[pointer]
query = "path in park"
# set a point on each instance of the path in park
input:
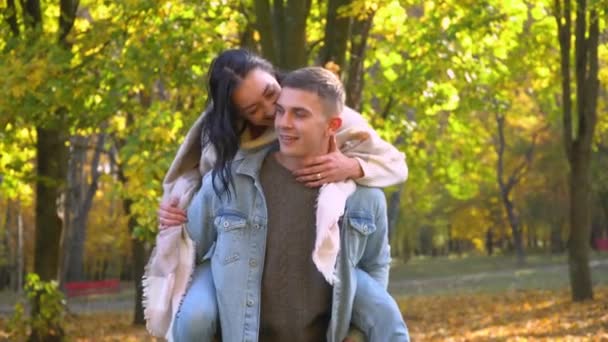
(499, 280)
(542, 276)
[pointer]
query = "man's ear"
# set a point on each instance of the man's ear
(334, 125)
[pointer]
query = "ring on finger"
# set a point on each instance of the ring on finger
(319, 176)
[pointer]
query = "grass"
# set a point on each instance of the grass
(487, 275)
(435, 267)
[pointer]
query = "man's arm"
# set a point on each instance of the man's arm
(377, 255)
(200, 218)
(382, 163)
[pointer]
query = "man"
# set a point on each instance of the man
(260, 238)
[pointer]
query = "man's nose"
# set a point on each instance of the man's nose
(284, 120)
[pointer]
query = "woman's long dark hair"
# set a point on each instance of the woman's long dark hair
(222, 125)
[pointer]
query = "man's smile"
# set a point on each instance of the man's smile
(287, 139)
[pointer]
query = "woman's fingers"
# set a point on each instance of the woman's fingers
(314, 175)
(164, 224)
(329, 177)
(311, 170)
(169, 215)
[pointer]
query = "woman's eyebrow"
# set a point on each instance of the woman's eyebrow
(267, 89)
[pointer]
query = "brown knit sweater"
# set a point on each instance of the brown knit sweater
(296, 299)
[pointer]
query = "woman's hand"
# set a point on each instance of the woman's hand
(170, 215)
(332, 167)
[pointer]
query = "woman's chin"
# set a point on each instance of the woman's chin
(257, 130)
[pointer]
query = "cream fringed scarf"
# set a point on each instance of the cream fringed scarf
(171, 264)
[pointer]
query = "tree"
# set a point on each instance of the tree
(337, 33)
(506, 186)
(282, 30)
(578, 133)
(51, 153)
(360, 31)
(79, 200)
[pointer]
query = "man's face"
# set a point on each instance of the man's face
(301, 126)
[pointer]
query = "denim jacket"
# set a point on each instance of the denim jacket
(232, 233)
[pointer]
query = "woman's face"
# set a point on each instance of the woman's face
(255, 97)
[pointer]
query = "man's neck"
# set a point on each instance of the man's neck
(292, 163)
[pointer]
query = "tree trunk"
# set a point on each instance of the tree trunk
(514, 223)
(8, 262)
(603, 198)
(489, 243)
(20, 253)
(51, 170)
(11, 17)
(82, 195)
(506, 186)
(293, 45)
(74, 194)
(139, 257)
(139, 251)
(283, 31)
(578, 140)
(337, 30)
(580, 222)
(450, 238)
(394, 211)
(360, 29)
(247, 39)
(557, 243)
(264, 25)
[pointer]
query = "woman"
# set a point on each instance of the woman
(243, 89)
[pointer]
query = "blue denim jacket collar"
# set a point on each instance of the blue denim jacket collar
(250, 162)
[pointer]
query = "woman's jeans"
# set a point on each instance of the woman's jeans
(375, 312)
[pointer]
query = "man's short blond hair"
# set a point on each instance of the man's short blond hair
(320, 81)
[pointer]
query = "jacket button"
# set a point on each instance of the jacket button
(253, 263)
(226, 224)
(256, 226)
(249, 302)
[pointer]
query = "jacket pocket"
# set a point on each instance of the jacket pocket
(359, 227)
(231, 237)
(362, 225)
